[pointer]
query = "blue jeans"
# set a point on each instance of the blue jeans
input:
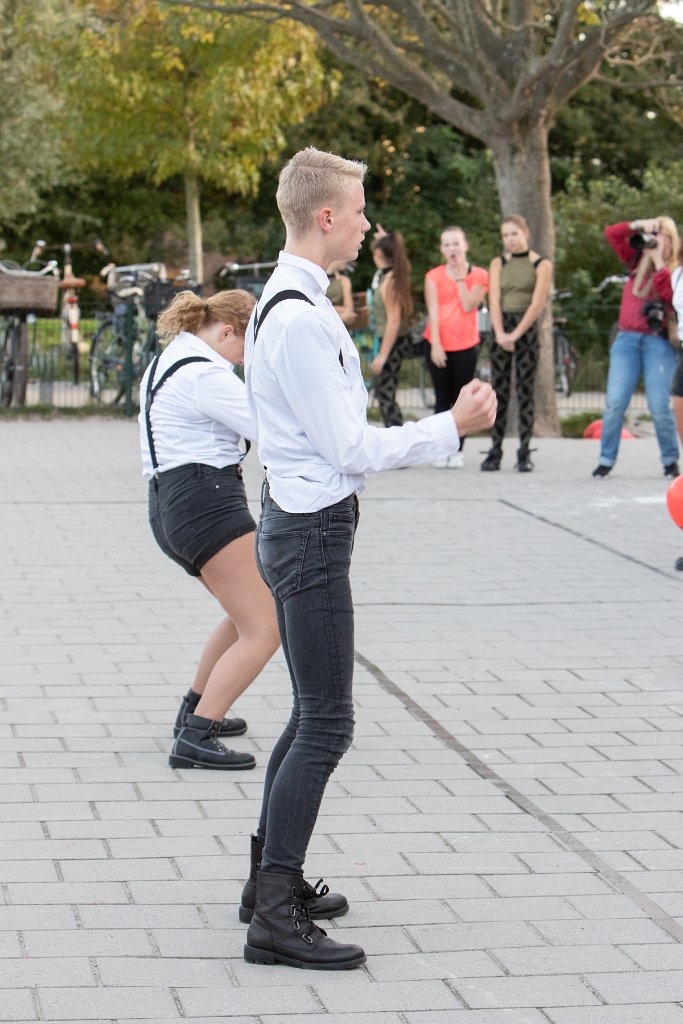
(305, 559)
(634, 355)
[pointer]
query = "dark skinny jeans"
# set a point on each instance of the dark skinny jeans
(305, 560)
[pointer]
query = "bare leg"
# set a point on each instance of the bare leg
(234, 580)
(222, 638)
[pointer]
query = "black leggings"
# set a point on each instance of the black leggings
(450, 379)
(386, 383)
(526, 361)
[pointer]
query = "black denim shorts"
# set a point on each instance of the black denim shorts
(677, 386)
(196, 510)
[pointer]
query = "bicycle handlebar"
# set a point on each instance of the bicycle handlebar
(9, 267)
(612, 279)
(235, 268)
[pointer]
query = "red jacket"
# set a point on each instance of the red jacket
(656, 286)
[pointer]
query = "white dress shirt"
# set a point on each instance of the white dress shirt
(199, 415)
(310, 412)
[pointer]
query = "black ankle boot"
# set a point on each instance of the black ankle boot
(524, 463)
(281, 932)
(492, 461)
(319, 904)
(229, 726)
(198, 746)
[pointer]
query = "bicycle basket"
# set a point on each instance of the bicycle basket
(28, 293)
(158, 294)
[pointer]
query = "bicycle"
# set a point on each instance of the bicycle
(247, 276)
(70, 310)
(138, 292)
(23, 292)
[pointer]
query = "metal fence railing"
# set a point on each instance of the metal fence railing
(56, 380)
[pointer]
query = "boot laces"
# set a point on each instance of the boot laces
(301, 921)
(212, 735)
(311, 892)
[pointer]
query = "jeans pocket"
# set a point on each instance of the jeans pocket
(281, 557)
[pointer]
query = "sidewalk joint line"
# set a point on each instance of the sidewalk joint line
(571, 842)
(589, 540)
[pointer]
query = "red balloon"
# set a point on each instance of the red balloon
(674, 501)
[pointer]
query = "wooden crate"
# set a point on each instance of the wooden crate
(28, 293)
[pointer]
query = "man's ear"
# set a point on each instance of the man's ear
(324, 219)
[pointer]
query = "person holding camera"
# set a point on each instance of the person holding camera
(641, 348)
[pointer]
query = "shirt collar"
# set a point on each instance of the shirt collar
(287, 259)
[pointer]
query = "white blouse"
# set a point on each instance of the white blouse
(199, 415)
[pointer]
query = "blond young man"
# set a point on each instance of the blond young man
(306, 392)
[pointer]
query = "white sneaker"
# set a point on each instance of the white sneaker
(441, 463)
(456, 461)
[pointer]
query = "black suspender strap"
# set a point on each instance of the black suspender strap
(289, 293)
(152, 389)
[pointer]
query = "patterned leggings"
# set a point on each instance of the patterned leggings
(387, 381)
(526, 361)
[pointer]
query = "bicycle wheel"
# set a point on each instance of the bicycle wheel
(14, 368)
(6, 366)
(562, 352)
(107, 364)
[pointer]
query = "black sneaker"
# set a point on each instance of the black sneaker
(228, 727)
(679, 564)
(198, 746)
(671, 470)
(600, 471)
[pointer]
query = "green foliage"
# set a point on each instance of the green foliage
(574, 425)
(159, 91)
(27, 106)
(583, 258)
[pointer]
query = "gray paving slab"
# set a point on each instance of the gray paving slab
(512, 796)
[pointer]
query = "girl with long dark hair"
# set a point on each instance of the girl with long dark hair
(392, 307)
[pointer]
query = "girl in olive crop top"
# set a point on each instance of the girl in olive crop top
(520, 280)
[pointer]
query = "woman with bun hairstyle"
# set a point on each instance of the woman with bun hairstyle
(518, 291)
(392, 308)
(648, 248)
(193, 416)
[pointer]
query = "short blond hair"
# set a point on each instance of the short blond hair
(310, 180)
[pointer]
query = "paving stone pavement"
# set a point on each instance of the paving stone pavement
(507, 825)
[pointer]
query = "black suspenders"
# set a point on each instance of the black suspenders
(152, 389)
(280, 297)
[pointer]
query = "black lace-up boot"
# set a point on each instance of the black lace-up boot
(318, 900)
(228, 727)
(492, 461)
(524, 463)
(281, 932)
(198, 746)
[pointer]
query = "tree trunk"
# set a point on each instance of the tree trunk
(522, 171)
(194, 226)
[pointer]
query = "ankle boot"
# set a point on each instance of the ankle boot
(281, 932)
(492, 461)
(524, 463)
(229, 726)
(198, 746)
(319, 904)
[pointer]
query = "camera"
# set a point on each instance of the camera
(656, 315)
(641, 241)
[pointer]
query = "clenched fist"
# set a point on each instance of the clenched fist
(475, 408)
